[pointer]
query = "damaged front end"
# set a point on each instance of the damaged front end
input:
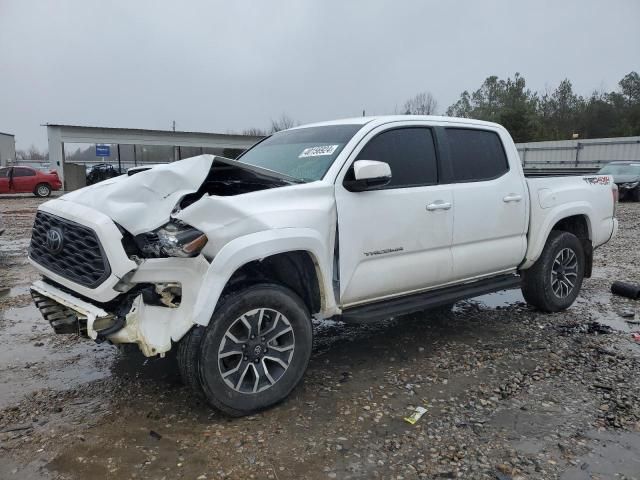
(151, 313)
(122, 261)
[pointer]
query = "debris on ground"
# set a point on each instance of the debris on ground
(626, 289)
(415, 416)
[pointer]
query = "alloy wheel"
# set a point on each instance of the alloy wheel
(564, 272)
(256, 350)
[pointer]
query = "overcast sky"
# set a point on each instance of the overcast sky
(223, 66)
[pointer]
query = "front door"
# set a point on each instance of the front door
(395, 239)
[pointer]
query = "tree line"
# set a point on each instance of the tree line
(557, 114)
(554, 114)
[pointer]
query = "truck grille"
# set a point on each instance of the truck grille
(68, 249)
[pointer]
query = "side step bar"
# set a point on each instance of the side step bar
(374, 312)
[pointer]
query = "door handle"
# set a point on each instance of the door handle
(438, 205)
(512, 197)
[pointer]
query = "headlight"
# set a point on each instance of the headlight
(175, 239)
(630, 185)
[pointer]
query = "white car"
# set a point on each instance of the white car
(358, 219)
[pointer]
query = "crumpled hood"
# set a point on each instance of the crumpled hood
(144, 201)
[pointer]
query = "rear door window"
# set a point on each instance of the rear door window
(410, 152)
(23, 172)
(475, 155)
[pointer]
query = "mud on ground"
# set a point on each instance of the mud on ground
(510, 393)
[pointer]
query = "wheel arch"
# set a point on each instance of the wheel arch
(575, 218)
(42, 182)
(295, 270)
(295, 258)
(580, 226)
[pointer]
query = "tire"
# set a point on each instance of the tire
(187, 356)
(635, 195)
(42, 190)
(549, 291)
(236, 383)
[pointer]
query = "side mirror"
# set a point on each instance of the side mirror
(367, 175)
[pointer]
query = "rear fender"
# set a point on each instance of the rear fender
(542, 222)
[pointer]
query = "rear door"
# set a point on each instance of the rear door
(490, 199)
(24, 179)
(4, 179)
(395, 239)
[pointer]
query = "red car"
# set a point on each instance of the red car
(28, 180)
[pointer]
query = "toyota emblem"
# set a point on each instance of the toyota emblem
(54, 240)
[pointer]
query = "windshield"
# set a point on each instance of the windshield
(621, 169)
(303, 153)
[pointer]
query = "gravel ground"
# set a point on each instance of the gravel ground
(510, 393)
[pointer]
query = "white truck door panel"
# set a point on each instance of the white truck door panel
(395, 239)
(489, 231)
(390, 243)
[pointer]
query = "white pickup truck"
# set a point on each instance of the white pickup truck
(360, 219)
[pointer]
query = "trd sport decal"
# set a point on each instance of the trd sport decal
(597, 180)
(382, 252)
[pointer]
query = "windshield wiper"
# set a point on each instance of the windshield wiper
(260, 170)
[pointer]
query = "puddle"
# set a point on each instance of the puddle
(606, 309)
(613, 456)
(616, 322)
(11, 292)
(503, 298)
(33, 357)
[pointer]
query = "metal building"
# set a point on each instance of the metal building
(126, 147)
(576, 156)
(7, 149)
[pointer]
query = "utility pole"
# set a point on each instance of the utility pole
(363, 113)
(174, 125)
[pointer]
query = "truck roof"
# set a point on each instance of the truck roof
(381, 119)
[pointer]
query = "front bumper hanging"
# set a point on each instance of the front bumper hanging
(69, 314)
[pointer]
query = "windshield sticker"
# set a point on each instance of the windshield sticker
(318, 151)
(597, 180)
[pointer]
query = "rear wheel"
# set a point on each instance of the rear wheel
(255, 349)
(635, 195)
(554, 281)
(42, 190)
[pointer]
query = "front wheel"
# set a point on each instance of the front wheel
(42, 190)
(255, 350)
(554, 281)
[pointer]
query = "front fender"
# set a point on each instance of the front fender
(257, 246)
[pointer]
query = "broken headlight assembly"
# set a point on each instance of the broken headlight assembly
(174, 239)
